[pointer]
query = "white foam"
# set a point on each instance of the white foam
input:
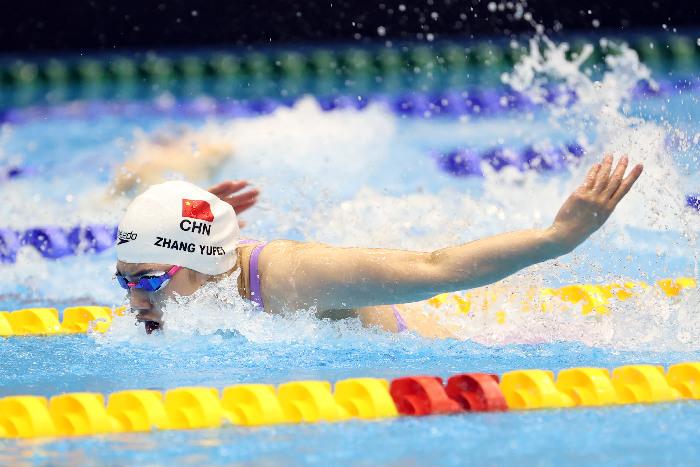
(308, 141)
(648, 320)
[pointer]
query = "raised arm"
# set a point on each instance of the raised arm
(300, 275)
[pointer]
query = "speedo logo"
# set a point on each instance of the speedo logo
(126, 237)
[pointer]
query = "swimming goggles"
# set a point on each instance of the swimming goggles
(148, 283)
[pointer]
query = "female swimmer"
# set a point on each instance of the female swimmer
(175, 237)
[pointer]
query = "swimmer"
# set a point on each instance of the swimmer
(176, 237)
(191, 153)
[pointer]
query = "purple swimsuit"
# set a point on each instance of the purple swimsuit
(256, 294)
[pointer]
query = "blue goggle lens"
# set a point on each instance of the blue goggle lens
(147, 283)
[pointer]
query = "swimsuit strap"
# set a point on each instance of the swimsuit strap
(246, 241)
(401, 325)
(253, 273)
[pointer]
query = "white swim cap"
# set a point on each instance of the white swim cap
(181, 224)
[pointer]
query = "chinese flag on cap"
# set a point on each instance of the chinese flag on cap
(197, 209)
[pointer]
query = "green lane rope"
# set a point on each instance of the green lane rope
(321, 62)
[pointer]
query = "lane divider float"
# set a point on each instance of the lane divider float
(455, 103)
(45, 321)
(341, 62)
(465, 162)
(54, 242)
(590, 299)
(183, 408)
(458, 102)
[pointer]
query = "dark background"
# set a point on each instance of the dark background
(128, 24)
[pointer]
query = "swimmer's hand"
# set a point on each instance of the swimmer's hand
(592, 203)
(226, 191)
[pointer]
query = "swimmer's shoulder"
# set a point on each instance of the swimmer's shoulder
(277, 267)
(274, 250)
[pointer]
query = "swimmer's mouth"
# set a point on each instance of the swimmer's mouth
(151, 326)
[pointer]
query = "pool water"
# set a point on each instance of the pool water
(368, 178)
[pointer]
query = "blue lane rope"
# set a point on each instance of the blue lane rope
(465, 162)
(472, 102)
(57, 242)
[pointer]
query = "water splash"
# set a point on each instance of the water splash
(217, 311)
(597, 110)
(648, 320)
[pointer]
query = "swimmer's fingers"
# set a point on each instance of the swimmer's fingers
(626, 184)
(603, 176)
(590, 178)
(228, 187)
(616, 178)
(243, 201)
(226, 191)
(239, 208)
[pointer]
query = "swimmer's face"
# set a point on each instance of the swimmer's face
(148, 305)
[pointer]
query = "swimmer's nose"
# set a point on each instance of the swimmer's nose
(139, 300)
(145, 311)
